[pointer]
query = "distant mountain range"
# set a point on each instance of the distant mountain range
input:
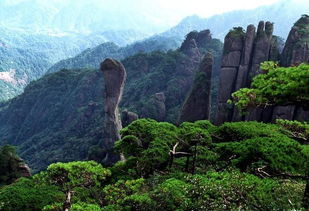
(30, 55)
(92, 57)
(80, 16)
(283, 14)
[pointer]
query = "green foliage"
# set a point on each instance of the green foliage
(146, 144)
(68, 176)
(234, 190)
(9, 164)
(274, 155)
(227, 191)
(116, 193)
(295, 129)
(85, 207)
(26, 194)
(79, 206)
(237, 131)
(58, 118)
(194, 133)
(277, 86)
(241, 168)
(127, 194)
(173, 194)
(148, 141)
(236, 32)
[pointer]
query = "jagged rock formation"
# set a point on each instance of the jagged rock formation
(242, 55)
(296, 49)
(127, 117)
(114, 76)
(197, 105)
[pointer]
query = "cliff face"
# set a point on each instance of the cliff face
(197, 104)
(296, 49)
(243, 53)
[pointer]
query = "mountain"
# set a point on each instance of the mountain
(283, 14)
(60, 116)
(84, 17)
(91, 57)
(27, 56)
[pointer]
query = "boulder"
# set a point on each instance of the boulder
(127, 117)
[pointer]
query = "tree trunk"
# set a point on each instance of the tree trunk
(67, 203)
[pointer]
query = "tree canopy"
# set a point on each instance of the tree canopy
(276, 86)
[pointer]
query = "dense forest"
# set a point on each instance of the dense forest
(201, 125)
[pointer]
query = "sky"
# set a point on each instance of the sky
(157, 14)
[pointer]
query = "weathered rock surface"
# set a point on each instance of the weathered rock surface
(241, 62)
(197, 104)
(159, 102)
(127, 117)
(114, 76)
(231, 60)
(23, 169)
(296, 49)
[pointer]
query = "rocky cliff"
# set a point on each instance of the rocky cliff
(296, 51)
(243, 52)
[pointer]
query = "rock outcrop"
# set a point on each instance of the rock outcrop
(127, 117)
(295, 51)
(232, 54)
(243, 53)
(197, 104)
(159, 103)
(114, 77)
(23, 169)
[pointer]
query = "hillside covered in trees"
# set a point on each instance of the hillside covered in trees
(207, 126)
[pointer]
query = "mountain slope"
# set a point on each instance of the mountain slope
(29, 55)
(91, 58)
(60, 116)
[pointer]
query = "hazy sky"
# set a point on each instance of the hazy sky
(157, 14)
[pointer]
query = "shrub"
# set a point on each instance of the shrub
(237, 131)
(26, 194)
(274, 155)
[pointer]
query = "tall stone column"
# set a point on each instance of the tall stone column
(114, 77)
(232, 54)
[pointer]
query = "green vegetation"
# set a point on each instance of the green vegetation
(277, 86)
(195, 166)
(236, 32)
(60, 116)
